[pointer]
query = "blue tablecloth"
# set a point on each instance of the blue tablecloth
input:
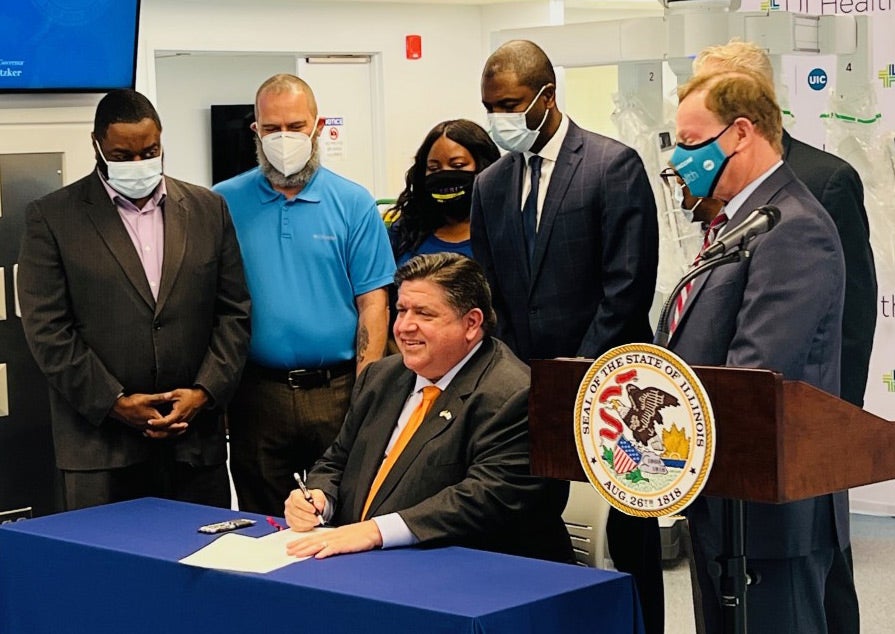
(115, 569)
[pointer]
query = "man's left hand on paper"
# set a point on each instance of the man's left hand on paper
(352, 538)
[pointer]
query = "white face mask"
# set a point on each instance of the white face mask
(677, 197)
(510, 130)
(287, 151)
(133, 179)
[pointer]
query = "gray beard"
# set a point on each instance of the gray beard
(294, 181)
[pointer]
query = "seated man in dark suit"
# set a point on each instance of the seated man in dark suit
(434, 449)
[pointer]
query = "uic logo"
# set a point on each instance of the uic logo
(817, 79)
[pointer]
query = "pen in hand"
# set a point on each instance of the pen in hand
(307, 495)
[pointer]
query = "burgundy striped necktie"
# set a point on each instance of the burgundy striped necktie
(711, 233)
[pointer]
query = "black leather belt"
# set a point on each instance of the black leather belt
(304, 379)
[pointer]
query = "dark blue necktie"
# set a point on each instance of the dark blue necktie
(530, 208)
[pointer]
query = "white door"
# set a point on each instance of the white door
(345, 100)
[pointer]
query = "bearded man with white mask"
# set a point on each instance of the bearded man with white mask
(136, 309)
(318, 262)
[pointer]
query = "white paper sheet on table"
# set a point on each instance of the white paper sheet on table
(241, 553)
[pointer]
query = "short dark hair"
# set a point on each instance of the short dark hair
(414, 220)
(462, 279)
(122, 106)
(526, 59)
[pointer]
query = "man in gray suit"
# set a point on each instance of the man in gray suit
(565, 228)
(781, 309)
(838, 188)
(434, 449)
(135, 307)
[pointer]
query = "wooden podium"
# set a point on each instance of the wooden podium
(775, 441)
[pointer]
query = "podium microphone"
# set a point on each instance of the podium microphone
(759, 221)
(730, 247)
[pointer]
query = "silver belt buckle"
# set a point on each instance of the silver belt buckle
(293, 378)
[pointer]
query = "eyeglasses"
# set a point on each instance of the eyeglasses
(674, 184)
(671, 178)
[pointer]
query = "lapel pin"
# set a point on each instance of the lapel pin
(445, 414)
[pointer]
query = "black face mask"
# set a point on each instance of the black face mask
(449, 193)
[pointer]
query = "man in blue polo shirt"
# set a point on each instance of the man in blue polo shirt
(317, 261)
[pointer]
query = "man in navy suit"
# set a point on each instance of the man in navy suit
(565, 228)
(780, 309)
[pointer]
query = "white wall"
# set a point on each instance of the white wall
(187, 85)
(416, 94)
(65, 128)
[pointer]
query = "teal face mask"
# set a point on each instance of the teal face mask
(701, 165)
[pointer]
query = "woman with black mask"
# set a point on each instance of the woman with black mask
(432, 213)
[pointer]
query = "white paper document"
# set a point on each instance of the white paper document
(242, 553)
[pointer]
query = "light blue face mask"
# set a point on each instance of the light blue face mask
(133, 179)
(510, 130)
(701, 165)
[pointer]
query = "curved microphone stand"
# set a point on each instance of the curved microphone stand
(731, 565)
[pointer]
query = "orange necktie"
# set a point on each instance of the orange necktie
(430, 393)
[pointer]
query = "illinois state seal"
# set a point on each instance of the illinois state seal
(644, 430)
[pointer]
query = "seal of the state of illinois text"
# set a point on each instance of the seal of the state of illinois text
(644, 430)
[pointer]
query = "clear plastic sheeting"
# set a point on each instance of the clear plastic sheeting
(855, 134)
(679, 240)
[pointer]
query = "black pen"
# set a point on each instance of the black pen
(307, 494)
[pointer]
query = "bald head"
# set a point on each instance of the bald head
(525, 59)
(286, 83)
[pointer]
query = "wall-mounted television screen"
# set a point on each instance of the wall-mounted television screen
(68, 45)
(232, 141)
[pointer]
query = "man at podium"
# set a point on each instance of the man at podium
(780, 309)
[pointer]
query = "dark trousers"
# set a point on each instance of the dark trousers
(840, 597)
(635, 546)
(276, 431)
(788, 598)
(159, 477)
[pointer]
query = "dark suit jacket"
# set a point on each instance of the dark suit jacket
(95, 329)
(838, 187)
(781, 310)
(464, 478)
(593, 275)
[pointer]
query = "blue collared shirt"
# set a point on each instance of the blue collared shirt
(306, 259)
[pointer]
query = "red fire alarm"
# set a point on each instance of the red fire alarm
(414, 46)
